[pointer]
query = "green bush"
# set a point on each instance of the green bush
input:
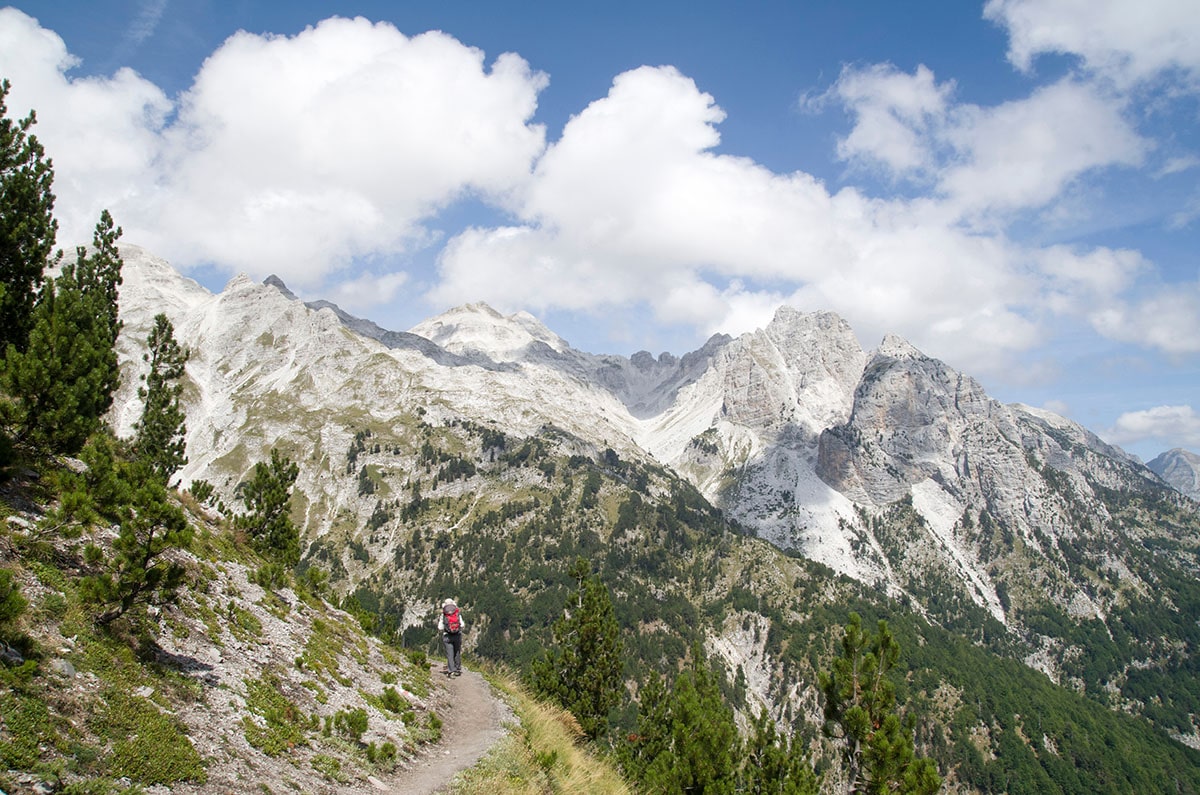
(285, 724)
(351, 723)
(12, 604)
(392, 701)
(27, 724)
(328, 766)
(202, 490)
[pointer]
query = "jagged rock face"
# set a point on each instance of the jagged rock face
(913, 419)
(1181, 469)
(799, 373)
(923, 432)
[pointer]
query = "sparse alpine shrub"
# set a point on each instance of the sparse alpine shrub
(392, 701)
(351, 723)
(12, 604)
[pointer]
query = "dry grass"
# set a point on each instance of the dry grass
(544, 753)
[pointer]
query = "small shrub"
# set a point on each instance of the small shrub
(328, 766)
(202, 490)
(351, 723)
(284, 724)
(434, 725)
(148, 746)
(27, 722)
(272, 575)
(383, 756)
(12, 604)
(242, 623)
(392, 700)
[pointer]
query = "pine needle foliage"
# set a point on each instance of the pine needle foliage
(65, 378)
(686, 740)
(583, 671)
(268, 495)
(159, 441)
(860, 711)
(138, 571)
(773, 763)
(27, 225)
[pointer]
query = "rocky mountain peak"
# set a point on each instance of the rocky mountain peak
(277, 283)
(894, 347)
(479, 329)
(793, 430)
(1180, 468)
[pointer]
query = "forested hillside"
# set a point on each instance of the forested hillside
(512, 515)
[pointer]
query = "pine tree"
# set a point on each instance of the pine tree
(653, 737)
(65, 378)
(860, 710)
(98, 272)
(687, 740)
(159, 440)
(703, 732)
(584, 670)
(772, 764)
(137, 572)
(27, 225)
(268, 495)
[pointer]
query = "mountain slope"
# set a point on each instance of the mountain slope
(794, 430)
(500, 452)
(228, 687)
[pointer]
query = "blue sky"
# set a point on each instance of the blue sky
(1013, 186)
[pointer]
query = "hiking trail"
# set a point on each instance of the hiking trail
(473, 720)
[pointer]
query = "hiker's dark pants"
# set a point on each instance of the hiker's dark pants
(453, 644)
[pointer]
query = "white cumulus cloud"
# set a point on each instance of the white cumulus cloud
(632, 205)
(324, 156)
(1016, 155)
(896, 116)
(1167, 318)
(288, 155)
(1178, 423)
(1123, 41)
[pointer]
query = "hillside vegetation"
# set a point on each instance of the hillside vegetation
(226, 686)
(499, 521)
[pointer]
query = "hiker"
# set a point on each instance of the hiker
(450, 624)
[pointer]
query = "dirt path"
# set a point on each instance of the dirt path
(472, 722)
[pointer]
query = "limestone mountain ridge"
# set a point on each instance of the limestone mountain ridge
(792, 430)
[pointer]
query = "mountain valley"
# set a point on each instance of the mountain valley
(746, 497)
